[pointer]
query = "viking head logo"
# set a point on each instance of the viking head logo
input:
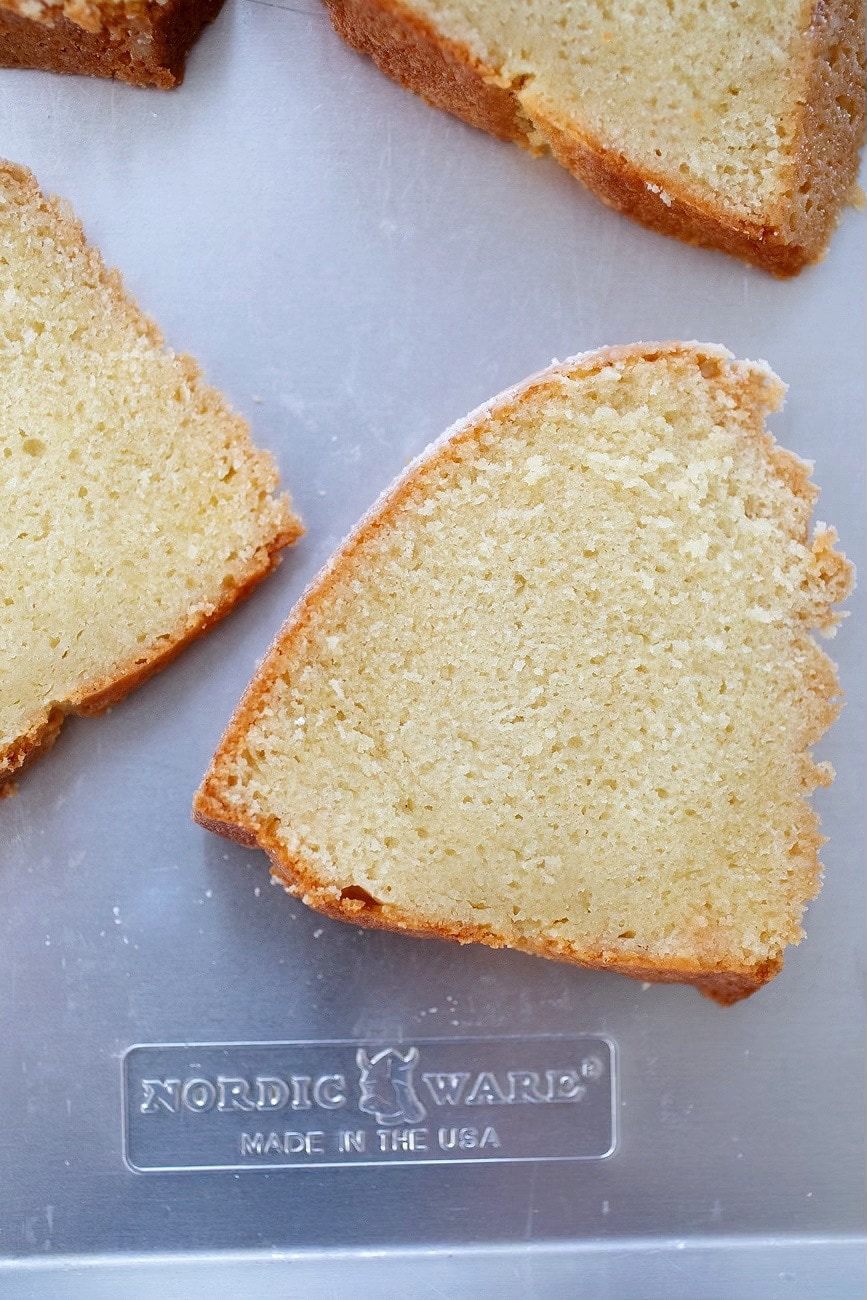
(387, 1090)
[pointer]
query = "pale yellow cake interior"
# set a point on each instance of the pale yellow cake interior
(132, 502)
(707, 97)
(565, 691)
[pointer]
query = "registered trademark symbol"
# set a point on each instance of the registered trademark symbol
(323, 1104)
(592, 1068)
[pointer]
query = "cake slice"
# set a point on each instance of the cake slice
(558, 689)
(134, 510)
(736, 126)
(141, 41)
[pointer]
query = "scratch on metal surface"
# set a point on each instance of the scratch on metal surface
(531, 1204)
(292, 9)
(386, 169)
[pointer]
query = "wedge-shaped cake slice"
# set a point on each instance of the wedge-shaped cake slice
(134, 510)
(733, 125)
(557, 692)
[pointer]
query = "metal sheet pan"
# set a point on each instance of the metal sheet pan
(356, 270)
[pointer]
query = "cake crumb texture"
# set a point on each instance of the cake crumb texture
(559, 689)
(736, 126)
(134, 510)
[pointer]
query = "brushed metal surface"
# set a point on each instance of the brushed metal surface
(356, 270)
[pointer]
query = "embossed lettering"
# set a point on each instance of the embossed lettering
(198, 1094)
(524, 1086)
(351, 1140)
(271, 1093)
(300, 1084)
(252, 1144)
(402, 1139)
(160, 1094)
(234, 1094)
(283, 1144)
(467, 1138)
(329, 1091)
(472, 1093)
(564, 1085)
(516, 1087)
(446, 1089)
(486, 1091)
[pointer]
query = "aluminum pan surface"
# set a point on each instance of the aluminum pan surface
(356, 271)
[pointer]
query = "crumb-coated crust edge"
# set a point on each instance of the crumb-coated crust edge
(212, 811)
(106, 691)
(723, 985)
(113, 49)
(448, 75)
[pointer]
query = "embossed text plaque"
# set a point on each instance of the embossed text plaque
(368, 1101)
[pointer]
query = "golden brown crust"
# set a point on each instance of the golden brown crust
(28, 748)
(723, 983)
(450, 76)
(668, 211)
(104, 694)
(444, 73)
(833, 108)
(144, 44)
(100, 695)
(724, 986)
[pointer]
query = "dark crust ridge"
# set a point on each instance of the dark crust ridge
(826, 155)
(146, 46)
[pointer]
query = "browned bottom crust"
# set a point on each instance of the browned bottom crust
(355, 906)
(102, 695)
(148, 49)
(449, 76)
